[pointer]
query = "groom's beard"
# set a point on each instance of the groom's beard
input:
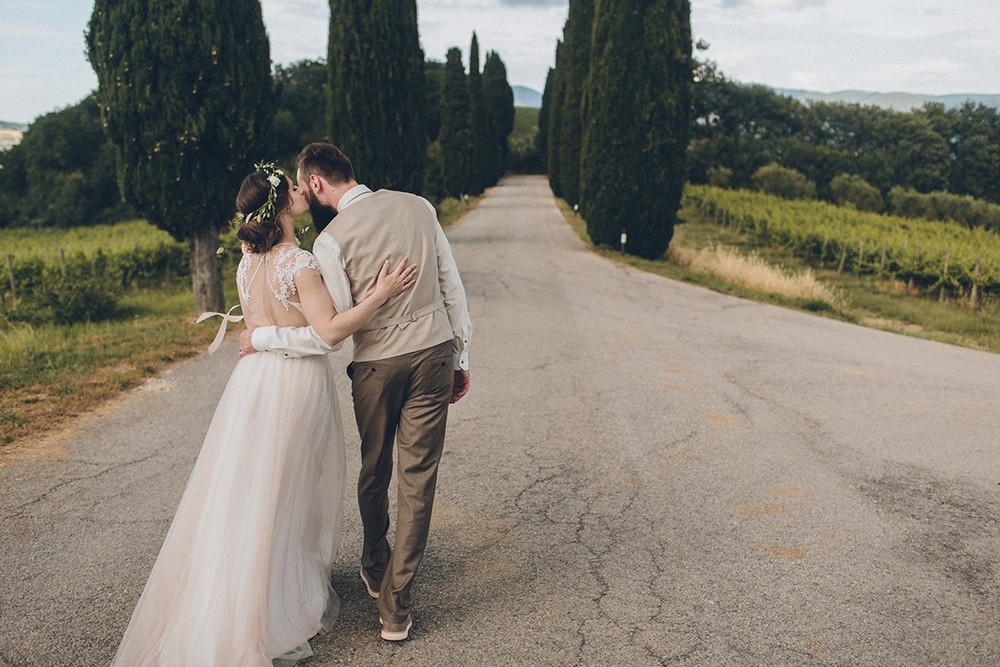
(321, 214)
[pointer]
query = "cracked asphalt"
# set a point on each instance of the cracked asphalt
(644, 473)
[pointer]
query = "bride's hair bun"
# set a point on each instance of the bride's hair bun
(260, 232)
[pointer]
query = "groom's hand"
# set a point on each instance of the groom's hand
(246, 338)
(461, 385)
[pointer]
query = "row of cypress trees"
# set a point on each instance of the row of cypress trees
(187, 97)
(477, 117)
(615, 118)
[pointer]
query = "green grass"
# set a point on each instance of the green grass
(46, 242)
(50, 373)
(867, 300)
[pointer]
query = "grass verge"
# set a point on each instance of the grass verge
(49, 374)
(724, 260)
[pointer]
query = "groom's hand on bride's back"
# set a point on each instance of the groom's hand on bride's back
(246, 340)
(461, 385)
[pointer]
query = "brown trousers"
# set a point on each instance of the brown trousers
(405, 399)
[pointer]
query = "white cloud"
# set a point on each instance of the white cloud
(920, 46)
(783, 5)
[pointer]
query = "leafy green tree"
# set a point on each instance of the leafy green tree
(500, 109)
(13, 186)
(576, 35)
(976, 170)
(456, 135)
(186, 96)
(917, 155)
(375, 104)
(68, 170)
(637, 120)
(300, 117)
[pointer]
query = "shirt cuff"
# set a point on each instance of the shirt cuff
(260, 336)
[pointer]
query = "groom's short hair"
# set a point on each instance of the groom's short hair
(326, 160)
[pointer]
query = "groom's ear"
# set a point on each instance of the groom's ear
(316, 183)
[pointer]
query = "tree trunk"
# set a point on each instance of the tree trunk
(206, 271)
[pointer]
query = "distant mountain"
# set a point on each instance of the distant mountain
(10, 134)
(897, 101)
(527, 97)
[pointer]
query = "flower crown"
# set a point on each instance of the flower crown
(266, 210)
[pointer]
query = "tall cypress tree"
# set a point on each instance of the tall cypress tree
(455, 135)
(376, 103)
(636, 122)
(542, 138)
(186, 96)
(576, 35)
(478, 123)
(500, 108)
(555, 113)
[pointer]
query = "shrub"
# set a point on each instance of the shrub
(720, 177)
(963, 209)
(83, 292)
(854, 190)
(783, 182)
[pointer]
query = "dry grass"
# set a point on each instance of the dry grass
(753, 272)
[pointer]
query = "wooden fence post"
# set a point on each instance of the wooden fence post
(974, 294)
(944, 277)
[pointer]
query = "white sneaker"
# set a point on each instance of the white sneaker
(396, 632)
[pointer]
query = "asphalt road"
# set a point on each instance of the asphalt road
(644, 473)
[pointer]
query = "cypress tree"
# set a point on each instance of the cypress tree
(500, 108)
(576, 35)
(478, 124)
(637, 106)
(542, 138)
(554, 135)
(455, 135)
(433, 77)
(375, 103)
(186, 97)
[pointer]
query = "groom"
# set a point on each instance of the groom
(410, 361)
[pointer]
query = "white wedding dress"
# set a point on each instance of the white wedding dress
(243, 576)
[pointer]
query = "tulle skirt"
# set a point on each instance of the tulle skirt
(243, 576)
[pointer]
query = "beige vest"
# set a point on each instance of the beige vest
(392, 225)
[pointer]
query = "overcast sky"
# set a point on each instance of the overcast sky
(918, 46)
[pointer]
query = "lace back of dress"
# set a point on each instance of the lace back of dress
(267, 285)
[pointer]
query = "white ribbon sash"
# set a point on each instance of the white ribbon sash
(226, 319)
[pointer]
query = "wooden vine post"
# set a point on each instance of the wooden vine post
(974, 294)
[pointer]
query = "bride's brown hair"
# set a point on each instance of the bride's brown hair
(258, 230)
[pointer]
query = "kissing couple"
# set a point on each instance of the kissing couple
(243, 576)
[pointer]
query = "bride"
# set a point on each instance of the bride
(243, 576)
